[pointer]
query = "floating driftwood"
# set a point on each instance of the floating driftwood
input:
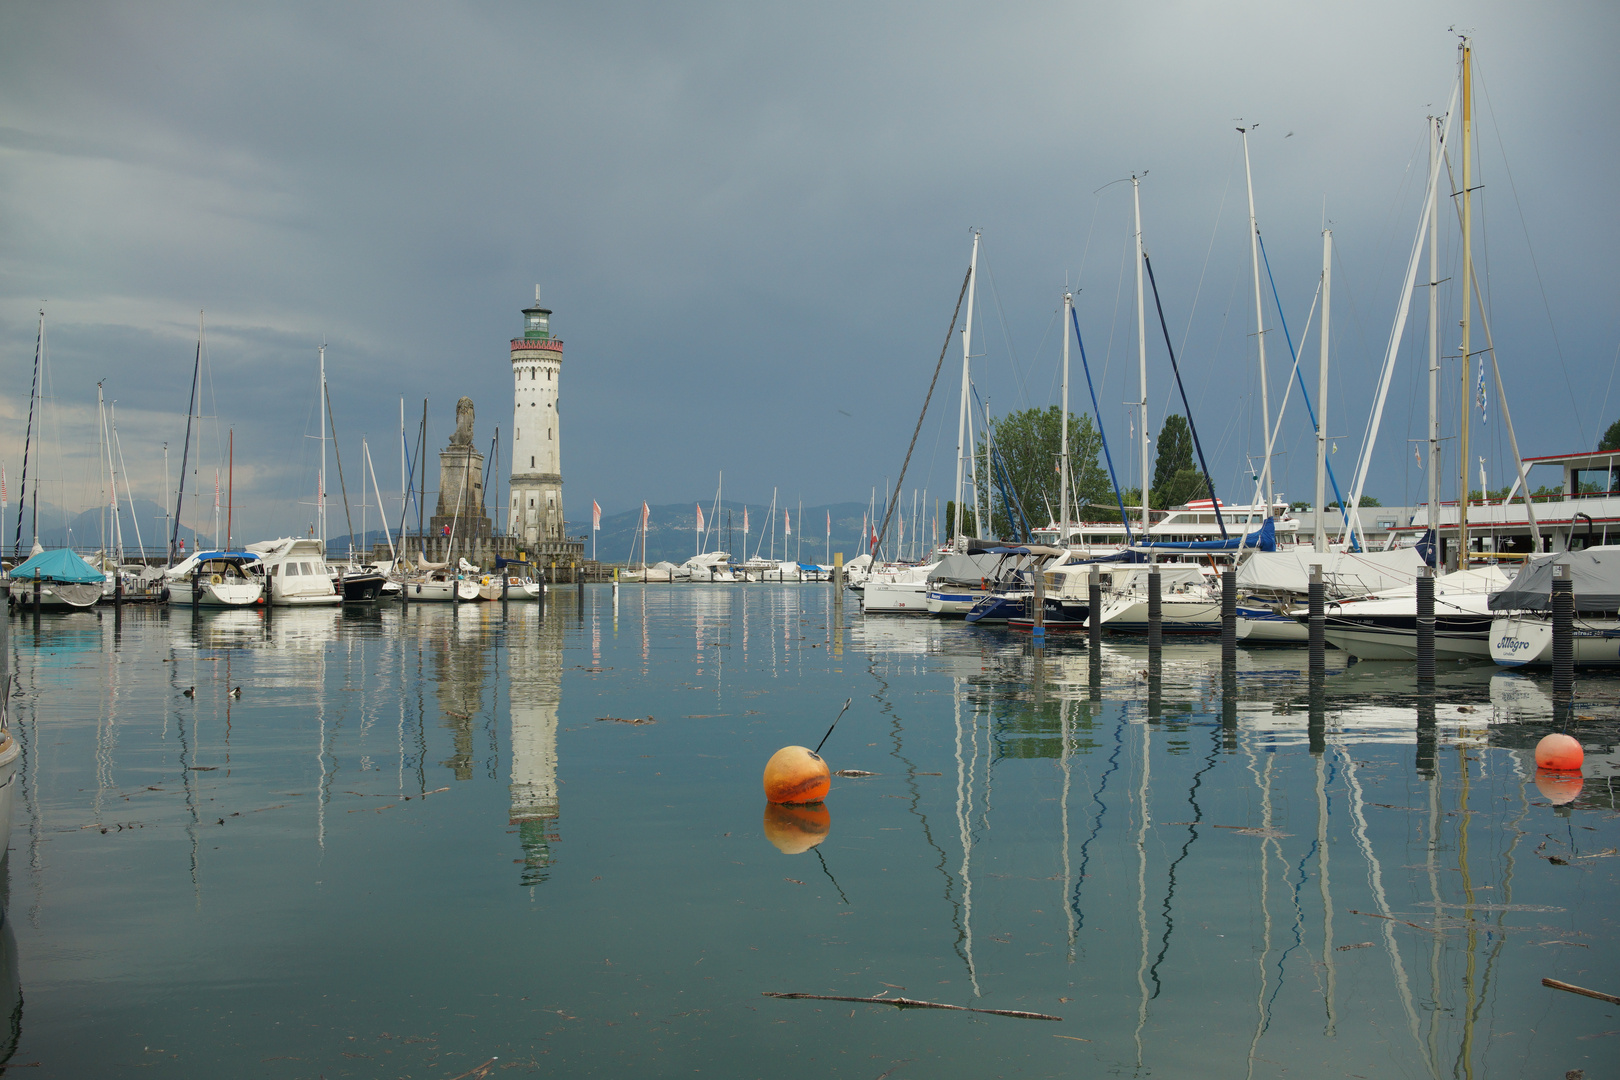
(853, 772)
(912, 1003)
(627, 719)
(1583, 991)
(1391, 918)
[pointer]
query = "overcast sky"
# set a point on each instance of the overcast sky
(752, 221)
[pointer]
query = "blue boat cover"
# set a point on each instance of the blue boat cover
(59, 565)
(1262, 539)
(235, 556)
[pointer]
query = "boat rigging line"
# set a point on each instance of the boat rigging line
(1219, 518)
(929, 397)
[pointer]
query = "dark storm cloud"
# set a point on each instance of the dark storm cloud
(748, 218)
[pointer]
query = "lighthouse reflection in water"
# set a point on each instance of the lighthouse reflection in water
(445, 841)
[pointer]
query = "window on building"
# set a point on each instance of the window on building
(548, 375)
(531, 465)
(548, 433)
(531, 504)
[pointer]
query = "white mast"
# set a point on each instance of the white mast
(1434, 329)
(1063, 437)
(1141, 349)
(1321, 397)
(1468, 305)
(963, 440)
(320, 498)
(404, 481)
(1259, 322)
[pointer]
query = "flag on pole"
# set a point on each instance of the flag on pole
(699, 526)
(1480, 393)
(745, 523)
(829, 523)
(596, 515)
(4, 500)
(787, 523)
(216, 489)
(644, 513)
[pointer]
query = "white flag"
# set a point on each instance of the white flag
(699, 527)
(596, 515)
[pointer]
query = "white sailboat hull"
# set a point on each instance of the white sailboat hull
(56, 595)
(895, 597)
(1527, 641)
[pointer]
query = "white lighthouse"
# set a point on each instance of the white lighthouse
(536, 518)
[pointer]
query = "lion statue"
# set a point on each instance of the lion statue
(464, 423)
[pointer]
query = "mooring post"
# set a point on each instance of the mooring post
(1318, 623)
(1155, 614)
(1228, 617)
(579, 585)
(118, 590)
(37, 588)
(1563, 605)
(1425, 629)
(196, 589)
(1038, 622)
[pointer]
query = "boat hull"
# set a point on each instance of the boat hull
(56, 595)
(1527, 641)
(364, 588)
(953, 603)
(1262, 626)
(224, 594)
(894, 598)
(1394, 637)
(10, 759)
(1175, 617)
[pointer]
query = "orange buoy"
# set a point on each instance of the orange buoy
(796, 829)
(1559, 788)
(796, 775)
(1560, 753)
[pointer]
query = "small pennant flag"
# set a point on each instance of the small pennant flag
(596, 515)
(699, 527)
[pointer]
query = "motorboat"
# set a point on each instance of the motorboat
(66, 582)
(295, 568)
(1384, 626)
(358, 584)
(1522, 625)
(711, 566)
(217, 579)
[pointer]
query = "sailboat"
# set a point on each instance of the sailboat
(61, 579)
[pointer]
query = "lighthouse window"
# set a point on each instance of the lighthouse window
(531, 465)
(531, 504)
(548, 433)
(548, 375)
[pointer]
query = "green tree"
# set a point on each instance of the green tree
(1029, 443)
(1611, 438)
(1176, 479)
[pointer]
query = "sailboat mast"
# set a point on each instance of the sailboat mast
(962, 414)
(185, 451)
(320, 497)
(1468, 303)
(1321, 398)
(1063, 429)
(1434, 328)
(1259, 324)
(230, 491)
(1141, 350)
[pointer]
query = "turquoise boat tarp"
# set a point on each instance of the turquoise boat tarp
(59, 565)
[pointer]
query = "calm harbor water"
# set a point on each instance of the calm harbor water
(421, 839)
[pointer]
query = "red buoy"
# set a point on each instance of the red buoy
(796, 774)
(1559, 753)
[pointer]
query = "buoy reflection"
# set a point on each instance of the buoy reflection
(1559, 788)
(796, 829)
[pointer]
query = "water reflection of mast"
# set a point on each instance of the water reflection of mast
(1375, 878)
(1262, 1005)
(1328, 962)
(964, 814)
(1186, 847)
(896, 731)
(1143, 818)
(1068, 912)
